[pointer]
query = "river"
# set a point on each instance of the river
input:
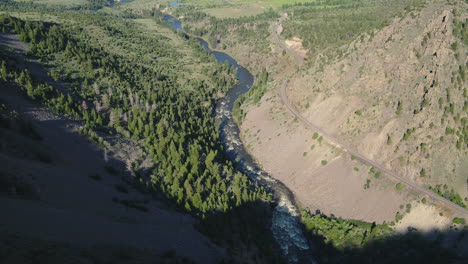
(285, 223)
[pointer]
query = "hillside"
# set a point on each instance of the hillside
(389, 103)
(124, 104)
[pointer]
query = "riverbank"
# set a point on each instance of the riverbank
(285, 225)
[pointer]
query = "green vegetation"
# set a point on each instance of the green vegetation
(458, 221)
(320, 139)
(399, 108)
(367, 184)
(343, 233)
(449, 194)
(460, 30)
(422, 173)
(160, 89)
(275, 3)
(329, 24)
(408, 208)
(155, 90)
(221, 33)
(315, 135)
(254, 95)
(408, 133)
(340, 241)
(377, 175)
(141, 113)
(398, 217)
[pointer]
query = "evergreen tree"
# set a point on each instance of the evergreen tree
(4, 70)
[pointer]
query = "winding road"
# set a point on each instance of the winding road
(279, 42)
(343, 145)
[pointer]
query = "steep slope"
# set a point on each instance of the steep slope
(355, 98)
(47, 168)
(405, 107)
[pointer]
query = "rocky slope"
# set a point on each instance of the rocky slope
(396, 96)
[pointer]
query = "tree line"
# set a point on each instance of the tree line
(176, 125)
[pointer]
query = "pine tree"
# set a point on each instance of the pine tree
(4, 71)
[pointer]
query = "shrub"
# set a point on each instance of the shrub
(367, 185)
(95, 177)
(111, 170)
(399, 108)
(324, 162)
(422, 173)
(458, 221)
(398, 217)
(121, 188)
(408, 208)
(315, 135)
(399, 186)
(389, 140)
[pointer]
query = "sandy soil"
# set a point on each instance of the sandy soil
(295, 44)
(418, 216)
(286, 149)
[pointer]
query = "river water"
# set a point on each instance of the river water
(285, 223)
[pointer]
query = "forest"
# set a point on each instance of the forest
(142, 104)
(172, 118)
(251, 31)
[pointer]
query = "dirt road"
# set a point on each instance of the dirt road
(344, 146)
(280, 43)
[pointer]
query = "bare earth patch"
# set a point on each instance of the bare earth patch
(295, 44)
(287, 150)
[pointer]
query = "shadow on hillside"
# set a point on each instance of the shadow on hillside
(412, 247)
(250, 224)
(17, 249)
(245, 232)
